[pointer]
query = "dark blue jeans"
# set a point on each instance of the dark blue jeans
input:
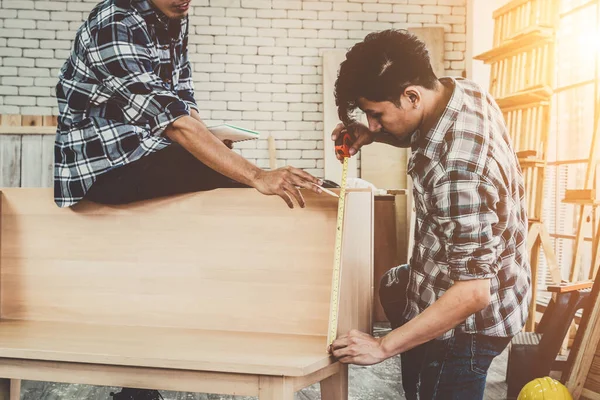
(452, 369)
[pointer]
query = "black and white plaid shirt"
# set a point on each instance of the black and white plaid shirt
(127, 79)
(471, 220)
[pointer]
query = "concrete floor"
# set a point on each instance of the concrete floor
(378, 382)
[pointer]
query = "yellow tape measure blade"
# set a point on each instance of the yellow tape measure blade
(337, 271)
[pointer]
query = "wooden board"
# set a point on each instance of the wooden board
(10, 160)
(115, 266)
(333, 168)
(186, 349)
(47, 161)
(31, 157)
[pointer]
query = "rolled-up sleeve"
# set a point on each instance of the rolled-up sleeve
(465, 205)
(120, 58)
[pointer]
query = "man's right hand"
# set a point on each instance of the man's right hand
(284, 182)
(363, 136)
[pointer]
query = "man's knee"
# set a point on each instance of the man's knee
(392, 293)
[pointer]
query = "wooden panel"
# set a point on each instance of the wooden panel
(433, 37)
(386, 254)
(10, 160)
(143, 378)
(114, 265)
(384, 166)
(50, 120)
(31, 157)
(47, 161)
(186, 349)
(32, 120)
(10, 120)
(356, 293)
(333, 168)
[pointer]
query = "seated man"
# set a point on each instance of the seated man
(129, 127)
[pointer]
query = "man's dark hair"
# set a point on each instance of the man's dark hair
(380, 68)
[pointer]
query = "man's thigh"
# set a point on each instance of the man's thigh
(170, 171)
(456, 368)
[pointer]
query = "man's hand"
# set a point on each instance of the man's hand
(358, 348)
(285, 182)
(363, 136)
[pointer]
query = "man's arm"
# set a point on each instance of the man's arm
(461, 300)
(198, 140)
(121, 60)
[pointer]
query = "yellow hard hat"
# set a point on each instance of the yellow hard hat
(544, 388)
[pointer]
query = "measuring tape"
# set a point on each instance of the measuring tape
(342, 147)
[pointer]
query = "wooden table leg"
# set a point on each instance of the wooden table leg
(336, 386)
(10, 389)
(275, 388)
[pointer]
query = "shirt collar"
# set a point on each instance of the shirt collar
(151, 14)
(431, 144)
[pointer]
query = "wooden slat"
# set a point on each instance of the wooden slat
(32, 120)
(531, 96)
(55, 267)
(25, 130)
(47, 161)
(31, 155)
(50, 120)
(10, 120)
(10, 160)
(569, 287)
(158, 347)
(529, 39)
(119, 376)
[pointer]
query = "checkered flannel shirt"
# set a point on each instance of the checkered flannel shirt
(471, 220)
(127, 79)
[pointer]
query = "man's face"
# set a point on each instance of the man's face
(386, 116)
(173, 9)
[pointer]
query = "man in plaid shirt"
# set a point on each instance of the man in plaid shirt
(466, 290)
(129, 127)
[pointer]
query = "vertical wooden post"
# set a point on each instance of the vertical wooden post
(336, 386)
(275, 388)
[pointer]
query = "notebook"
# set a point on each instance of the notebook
(233, 133)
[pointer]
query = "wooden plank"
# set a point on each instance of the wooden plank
(32, 120)
(386, 253)
(356, 289)
(569, 287)
(143, 378)
(47, 161)
(587, 394)
(10, 120)
(53, 271)
(336, 386)
(10, 161)
(275, 388)
(66, 275)
(163, 347)
(433, 37)
(50, 120)
(300, 382)
(585, 346)
(31, 158)
(26, 130)
(333, 168)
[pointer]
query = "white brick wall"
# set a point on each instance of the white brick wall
(257, 63)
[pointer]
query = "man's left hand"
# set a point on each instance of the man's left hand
(358, 348)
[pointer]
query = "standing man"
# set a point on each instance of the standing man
(129, 127)
(466, 290)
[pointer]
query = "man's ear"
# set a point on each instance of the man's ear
(413, 95)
